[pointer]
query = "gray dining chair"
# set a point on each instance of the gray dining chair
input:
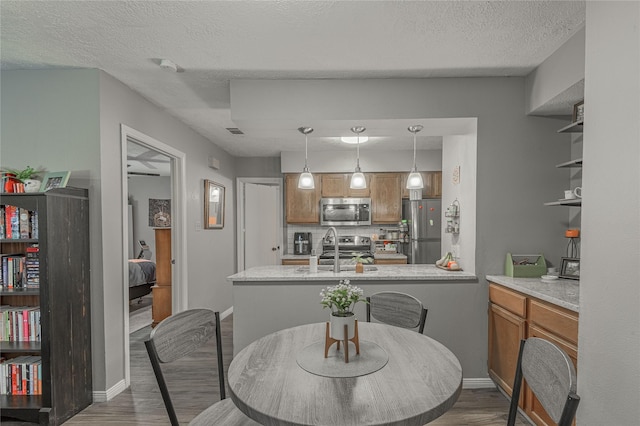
(551, 376)
(178, 336)
(398, 309)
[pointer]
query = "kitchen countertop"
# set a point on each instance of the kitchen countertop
(325, 273)
(375, 256)
(561, 292)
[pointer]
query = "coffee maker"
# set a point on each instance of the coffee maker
(302, 243)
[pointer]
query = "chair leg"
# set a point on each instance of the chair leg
(569, 411)
(517, 384)
(164, 391)
(368, 305)
(223, 392)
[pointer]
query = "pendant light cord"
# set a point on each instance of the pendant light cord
(358, 151)
(414, 153)
(306, 138)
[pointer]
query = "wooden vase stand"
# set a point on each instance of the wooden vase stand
(330, 341)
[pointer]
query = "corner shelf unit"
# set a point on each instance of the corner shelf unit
(576, 127)
(63, 300)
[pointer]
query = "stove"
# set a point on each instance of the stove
(348, 247)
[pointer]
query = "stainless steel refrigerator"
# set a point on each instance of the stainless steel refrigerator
(424, 218)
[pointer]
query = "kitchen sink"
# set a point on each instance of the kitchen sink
(343, 268)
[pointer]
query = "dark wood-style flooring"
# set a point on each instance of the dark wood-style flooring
(193, 382)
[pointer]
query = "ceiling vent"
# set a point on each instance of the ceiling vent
(235, 131)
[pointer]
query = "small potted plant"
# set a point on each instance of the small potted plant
(341, 299)
(25, 176)
(359, 260)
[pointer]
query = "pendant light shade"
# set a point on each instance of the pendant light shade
(414, 181)
(306, 178)
(358, 181)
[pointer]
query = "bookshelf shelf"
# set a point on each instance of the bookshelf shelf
(54, 257)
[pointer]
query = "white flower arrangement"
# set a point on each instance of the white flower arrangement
(341, 298)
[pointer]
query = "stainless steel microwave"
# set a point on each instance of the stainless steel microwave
(345, 211)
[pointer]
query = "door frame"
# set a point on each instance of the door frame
(178, 227)
(240, 218)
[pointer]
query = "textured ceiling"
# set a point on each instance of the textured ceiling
(216, 41)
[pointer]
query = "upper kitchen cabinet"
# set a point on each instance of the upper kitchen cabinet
(386, 197)
(302, 205)
(432, 185)
(336, 185)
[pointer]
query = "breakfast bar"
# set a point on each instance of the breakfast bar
(271, 298)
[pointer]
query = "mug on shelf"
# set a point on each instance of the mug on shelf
(570, 195)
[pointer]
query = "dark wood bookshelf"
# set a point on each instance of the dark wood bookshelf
(64, 301)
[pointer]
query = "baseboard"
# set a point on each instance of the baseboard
(477, 383)
(104, 396)
(226, 313)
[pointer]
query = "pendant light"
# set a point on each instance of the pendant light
(414, 181)
(306, 178)
(358, 181)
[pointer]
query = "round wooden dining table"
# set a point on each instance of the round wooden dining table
(421, 380)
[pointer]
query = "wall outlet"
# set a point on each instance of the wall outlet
(455, 251)
(198, 225)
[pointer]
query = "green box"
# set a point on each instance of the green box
(525, 265)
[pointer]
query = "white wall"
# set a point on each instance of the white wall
(460, 151)
(141, 189)
(609, 335)
(559, 73)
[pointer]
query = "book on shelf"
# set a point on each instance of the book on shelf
(21, 375)
(18, 223)
(20, 324)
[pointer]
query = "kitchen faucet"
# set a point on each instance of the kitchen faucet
(336, 254)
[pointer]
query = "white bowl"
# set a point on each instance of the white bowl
(549, 277)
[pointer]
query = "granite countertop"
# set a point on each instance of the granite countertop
(371, 273)
(561, 292)
(375, 256)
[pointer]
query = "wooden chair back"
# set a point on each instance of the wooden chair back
(398, 309)
(550, 374)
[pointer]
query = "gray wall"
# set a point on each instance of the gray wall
(70, 120)
(258, 167)
(210, 253)
(609, 335)
(516, 170)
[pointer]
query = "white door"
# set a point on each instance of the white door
(261, 225)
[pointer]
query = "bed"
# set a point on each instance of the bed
(142, 276)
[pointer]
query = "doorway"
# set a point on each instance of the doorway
(176, 160)
(260, 219)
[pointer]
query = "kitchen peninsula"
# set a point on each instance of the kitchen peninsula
(271, 298)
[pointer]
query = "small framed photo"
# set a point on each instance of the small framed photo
(570, 268)
(54, 180)
(578, 112)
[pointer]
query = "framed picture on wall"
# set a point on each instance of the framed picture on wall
(213, 205)
(578, 112)
(54, 180)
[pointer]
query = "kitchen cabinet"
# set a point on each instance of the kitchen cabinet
(432, 184)
(514, 316)
(386, 197)
(304, 262)
(336, 185)
(390, 261)
(302, 205)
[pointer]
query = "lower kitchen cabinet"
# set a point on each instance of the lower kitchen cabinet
(295, 262)
(514, 316)
(390, 261)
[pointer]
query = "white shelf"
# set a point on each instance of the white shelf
(573, 163)
(572, 127)
(577, 202)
